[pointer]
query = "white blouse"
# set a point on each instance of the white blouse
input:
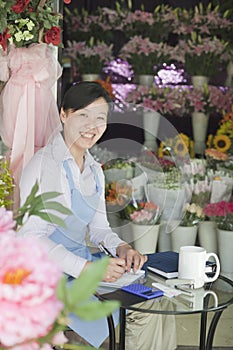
(46, 167)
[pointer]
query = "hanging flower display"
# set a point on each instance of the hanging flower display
(30, 21)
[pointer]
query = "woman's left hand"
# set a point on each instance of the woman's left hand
(132, 257)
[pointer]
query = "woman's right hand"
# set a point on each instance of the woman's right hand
(116, 268)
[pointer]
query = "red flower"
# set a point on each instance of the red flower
(20, 6)
(67, 1)
(53, 36)
(3, 39)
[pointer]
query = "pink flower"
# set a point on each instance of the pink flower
(32, 346)
(59, 339)
(28, 281)
(7, 223)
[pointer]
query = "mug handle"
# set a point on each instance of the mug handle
(217, 272)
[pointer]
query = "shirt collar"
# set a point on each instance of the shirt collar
(61, 152)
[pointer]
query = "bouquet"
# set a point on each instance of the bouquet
(145, 56)
(221, 213)
(222, 140)
(193, 213)
(90, 57)
(29, 21)
(142, 213)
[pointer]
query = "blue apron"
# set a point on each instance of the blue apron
(73, 239)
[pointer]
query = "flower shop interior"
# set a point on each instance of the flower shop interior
(167, 153)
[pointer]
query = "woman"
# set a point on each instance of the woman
(66, 166)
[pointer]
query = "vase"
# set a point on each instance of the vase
(229, 79)
(144, 237)
(207, 236)
(151, 125)
(199, 80)
(146, 79)
(183, 236)
(225, 249)
(200, 122)
(90, 77)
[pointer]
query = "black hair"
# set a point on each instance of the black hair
(82, 94)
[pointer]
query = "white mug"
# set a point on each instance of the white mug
(192, 265)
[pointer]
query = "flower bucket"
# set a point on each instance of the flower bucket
(225, 249)
(151, 125)
(183, 236)
(207, 236)
(90, 77)
(146, 79)
(199, 80)
(144, 237)
(200, 122)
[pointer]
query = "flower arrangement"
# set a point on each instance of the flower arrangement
(142, 213)
(90, 57)
(205, 35)
(118, 193)
(101, 23)
(181, 100)
(222, 140)
(203, 56)
(145, 56)
(29, 21)
(206, 21)
(193, 213)
(180, 146)
(199, 191)
(154, 25)
(221, 213)
(35, 301)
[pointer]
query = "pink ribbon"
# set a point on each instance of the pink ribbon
(29, 111)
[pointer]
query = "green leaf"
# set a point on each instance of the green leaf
(50, 218)
(94, 310)
(84, 287)
(61, 290)
(55, 206)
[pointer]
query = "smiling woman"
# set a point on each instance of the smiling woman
(65, 165)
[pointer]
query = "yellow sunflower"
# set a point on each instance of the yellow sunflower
(185, 139)
(209, 141)
(191, 149)
(222, 143)
(180, 148)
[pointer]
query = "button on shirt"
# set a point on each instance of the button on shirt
(47, 168)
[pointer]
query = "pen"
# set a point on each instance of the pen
(184, 291)
(105, 250)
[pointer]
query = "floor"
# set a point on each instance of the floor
(188, 331)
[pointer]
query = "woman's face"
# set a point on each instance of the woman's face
(84, 127)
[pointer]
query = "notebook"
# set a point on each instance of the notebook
(164, 263)
(125, 279)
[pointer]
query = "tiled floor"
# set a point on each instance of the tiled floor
(188, 330)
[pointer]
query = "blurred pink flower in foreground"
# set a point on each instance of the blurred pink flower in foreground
(7, 223)
(28, 302)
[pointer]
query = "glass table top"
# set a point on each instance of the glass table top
(212, 297)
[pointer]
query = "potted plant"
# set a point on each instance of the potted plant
(89, 56)
(222, 214)
(143, 219)
(203, 43)
(145, 56)
(186, 231)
